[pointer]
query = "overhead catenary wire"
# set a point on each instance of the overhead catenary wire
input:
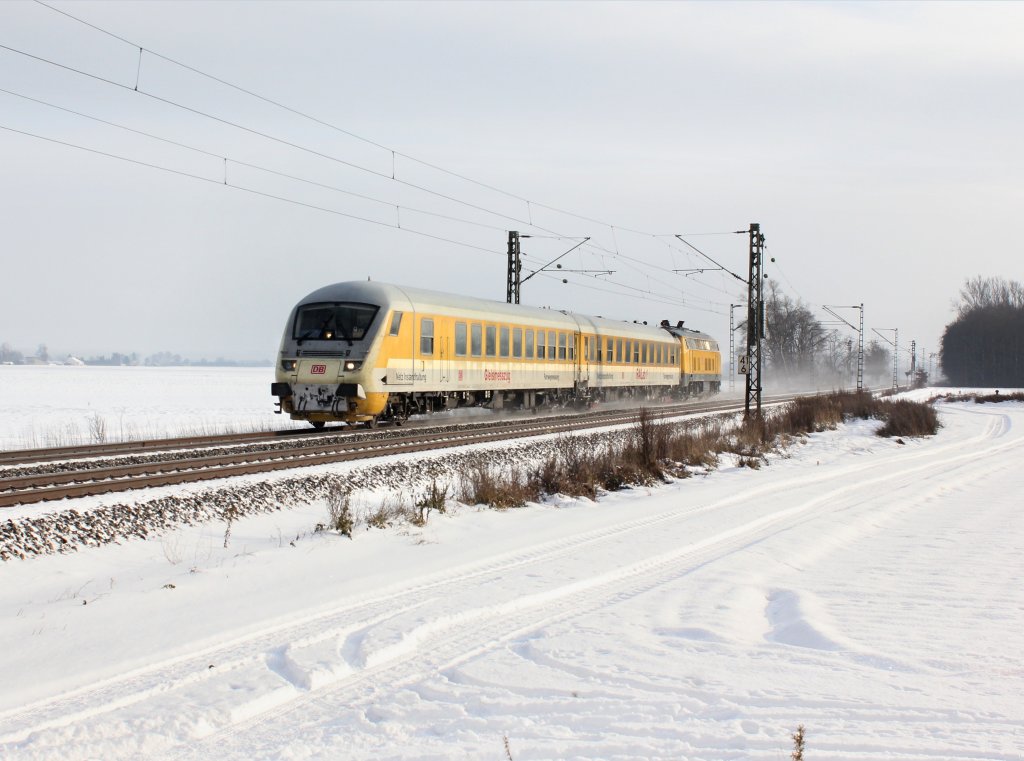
(330, 125)
(190, 175)
(529, 203)
(319, 154)
(250, 165)
(335, 127)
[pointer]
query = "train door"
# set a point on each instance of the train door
(399, 350)
(581, 364)
(444, 366)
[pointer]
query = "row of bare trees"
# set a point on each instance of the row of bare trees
(800, 351)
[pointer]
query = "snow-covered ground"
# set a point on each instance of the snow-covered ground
(56, 405)
(869, 590)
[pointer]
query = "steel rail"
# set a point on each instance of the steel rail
(77, 451)
(46, 487)
(12, 459)
(20, 490)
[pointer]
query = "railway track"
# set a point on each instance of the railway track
(179, 461)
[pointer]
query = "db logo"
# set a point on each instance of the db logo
(318, 369)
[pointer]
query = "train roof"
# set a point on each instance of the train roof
(421, 299)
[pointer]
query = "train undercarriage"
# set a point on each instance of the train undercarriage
(399, 407)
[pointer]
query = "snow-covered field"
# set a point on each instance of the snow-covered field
(869, 590)
(56, 405)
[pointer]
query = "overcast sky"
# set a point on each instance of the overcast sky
(878, 145)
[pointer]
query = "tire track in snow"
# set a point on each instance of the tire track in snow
(445, 642)
(270, 646)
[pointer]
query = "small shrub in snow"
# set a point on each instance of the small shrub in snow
(339, 512)
(798, 744)
(906, 418)
(754, 463)
(97, 429)
(434, 498)
(483, 485)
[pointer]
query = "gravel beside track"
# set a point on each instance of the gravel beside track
(68, 530)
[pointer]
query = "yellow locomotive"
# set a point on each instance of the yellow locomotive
(365, 352)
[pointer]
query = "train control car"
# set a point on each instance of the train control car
(361, 352)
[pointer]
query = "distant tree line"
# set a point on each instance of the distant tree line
(984, 345)
(10, 355)
(799, 350)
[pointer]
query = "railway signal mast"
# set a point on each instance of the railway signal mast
(514, 281)
(515, 266)
(732, 346)
(755, 321)
(750, 361)
(860, 335)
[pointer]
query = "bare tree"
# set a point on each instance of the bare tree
(9, 354)
(794, 336)
(982, 292)
(984, 345)
(877, 361)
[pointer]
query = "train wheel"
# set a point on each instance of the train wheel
(371, 423)
(318, 424)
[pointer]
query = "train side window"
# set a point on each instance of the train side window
(636, 352)
(504, 340)
(476, 339)
(492, 341)
(618, 349)
(561, 345)
(396, 323)
(529, 344)
(460, 339)
(643, 353)
(517, 343)
(571, 340)
(540, 344)
(427, 337)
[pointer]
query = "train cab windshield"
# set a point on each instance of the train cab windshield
(336, 321)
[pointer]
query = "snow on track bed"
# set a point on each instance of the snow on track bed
(867, 590)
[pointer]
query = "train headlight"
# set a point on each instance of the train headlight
(288, 365)
(351, 365)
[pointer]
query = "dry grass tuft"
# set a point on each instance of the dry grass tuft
(905, 418)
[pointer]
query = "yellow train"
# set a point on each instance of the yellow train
(363, 352)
